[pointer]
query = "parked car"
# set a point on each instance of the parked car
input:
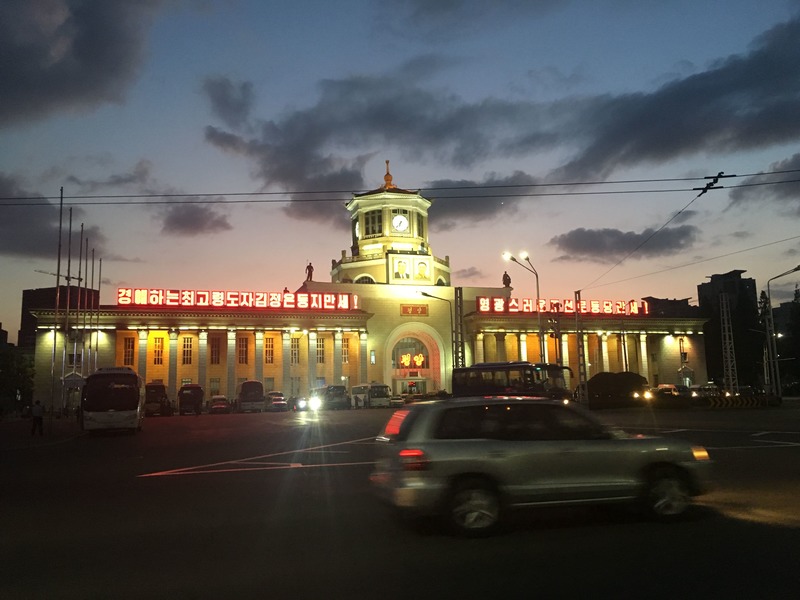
(190, 399)
(396, 401)
(671, 395)
(220, 405)
(472, 460)
(156, 401)
(276, 401)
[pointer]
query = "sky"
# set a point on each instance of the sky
(213, 144)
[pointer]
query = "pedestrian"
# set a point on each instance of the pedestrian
(37, 418)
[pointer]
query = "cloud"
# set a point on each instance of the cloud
(231, 103)
(743, 102)
(783, 188)
(467, 274)
(32, 231)
(139, 175)
(193, 219)
(609, 245)
(67, 55)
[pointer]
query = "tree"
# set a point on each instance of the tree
(16, 379)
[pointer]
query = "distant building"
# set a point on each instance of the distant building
(368, 322)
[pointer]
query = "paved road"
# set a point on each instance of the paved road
(277, 506)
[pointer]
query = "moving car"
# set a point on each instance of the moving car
(474, 459)
(220, 405)
(397, 401)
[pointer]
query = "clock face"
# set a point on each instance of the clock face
(400, 223)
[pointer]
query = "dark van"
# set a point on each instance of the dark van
(190, 398)
(156, 401)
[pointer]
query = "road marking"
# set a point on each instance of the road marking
(240, 465)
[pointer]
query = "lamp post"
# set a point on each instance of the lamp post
(452, 328)
(530, 268)
(772, 348)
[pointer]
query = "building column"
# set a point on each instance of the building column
(337, 357)
(142, 362)
(363, 375)
(500, 347)
(286, 360)
(523, 347)
(480, 351)
(202, 358)
(230, 363)
(644, 359)
(312, 359)
(564, 341)
(588, 356)
(173, 364)
(259, 357)
(604, 351)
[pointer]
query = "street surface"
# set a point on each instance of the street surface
(278, 506)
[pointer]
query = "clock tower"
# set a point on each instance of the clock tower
(389, 228)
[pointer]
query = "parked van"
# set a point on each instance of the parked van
(371, 395)
(190, 399)
(156, 401)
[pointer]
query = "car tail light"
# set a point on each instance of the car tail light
(413, 459)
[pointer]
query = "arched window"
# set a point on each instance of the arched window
(365, 279)
(410, 353)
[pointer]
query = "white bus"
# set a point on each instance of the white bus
(371, 395)
(113, 398)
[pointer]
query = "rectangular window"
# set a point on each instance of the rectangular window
(345, 351)
(295, 351)
(186, 380)
(127, 351)
(420, 226)
(269, 350)
(186, 358)
(373, 223)
(75, 360)
(216, 346)
(213, 386)
(241, 350)
(320, 351)
(158, 351)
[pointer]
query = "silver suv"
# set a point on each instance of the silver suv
(472, 459)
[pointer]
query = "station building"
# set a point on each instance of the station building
(388, 313)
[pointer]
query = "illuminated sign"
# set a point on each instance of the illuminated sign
(164, 298)
(493, 305)
(412, 360)
(414, 310)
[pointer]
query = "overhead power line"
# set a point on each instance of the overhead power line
(298, 196)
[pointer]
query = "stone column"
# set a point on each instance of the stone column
(142, 362)
(231, 363)
(259, 356)
(564, 341)
(523, 346)
(173, 364)
(363, 375)
(286, 361)
(604, 351)
(202, 360)
(337, 357)
(644, 359)
(480, 351)
(500, 347)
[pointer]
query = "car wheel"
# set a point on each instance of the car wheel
(474, 508)
(666, 494)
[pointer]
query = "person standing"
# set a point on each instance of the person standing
(37, 418)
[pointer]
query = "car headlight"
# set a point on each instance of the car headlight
(314, 404)
(302, 403)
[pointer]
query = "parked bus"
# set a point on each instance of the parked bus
(113, 398)
(515, 378)
(250, 397)
(330, 397)
(371, 395)
(190, 399)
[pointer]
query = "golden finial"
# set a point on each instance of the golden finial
(388, 178)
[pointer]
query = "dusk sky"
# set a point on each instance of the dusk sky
(575, 130)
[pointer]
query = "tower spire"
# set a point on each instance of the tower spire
(387, 179)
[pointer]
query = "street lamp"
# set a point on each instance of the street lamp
(530, 268)
(772, 348)
(452, 326)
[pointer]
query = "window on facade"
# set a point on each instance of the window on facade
(241, 350)
(158, 351)
(410, 353)
(213, 386)
(186, 380)
(420, 226)
(295, 351)
(75, 359)
(127, 351)
(345, 351)
(373, 223)
(215, 344)
(186, 358)
(320, 350)
(365, 279)
(269, 350)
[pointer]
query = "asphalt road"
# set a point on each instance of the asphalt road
(278, 506)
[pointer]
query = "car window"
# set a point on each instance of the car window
(529, 422)
(470, 422)
(571, 425)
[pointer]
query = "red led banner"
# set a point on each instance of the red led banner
(235, 299)
(493, 305)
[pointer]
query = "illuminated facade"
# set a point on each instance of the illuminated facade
(388, 314)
